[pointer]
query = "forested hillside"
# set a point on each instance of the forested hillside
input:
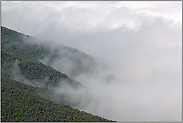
(31, 69)
(19, 102)
(77, 62)
(32, 97)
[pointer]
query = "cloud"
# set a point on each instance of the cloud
(64, 93)
(82, 16)
(15, 74)
(138, 41)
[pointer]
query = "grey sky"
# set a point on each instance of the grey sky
(141, 41)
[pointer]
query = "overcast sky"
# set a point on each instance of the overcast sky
(141, 41)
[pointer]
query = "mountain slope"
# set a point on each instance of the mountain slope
(26, 70)
(20, 103)
(48, 53)
(20, 61)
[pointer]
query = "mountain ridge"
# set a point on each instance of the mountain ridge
(78, 62)
(21, 62)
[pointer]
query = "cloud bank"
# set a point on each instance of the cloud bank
(139, 41)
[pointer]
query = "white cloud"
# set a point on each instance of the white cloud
(139, 40)
(88, 16)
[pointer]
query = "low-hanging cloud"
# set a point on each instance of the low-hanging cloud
(65, 92)
(139, 44)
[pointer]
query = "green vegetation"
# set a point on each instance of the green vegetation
(37, 74)
(13, 41)
(19, 102)
(23, 102)
(32, 70)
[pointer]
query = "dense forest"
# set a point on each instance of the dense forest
(19, 102)
(27, 84)
(25, 45)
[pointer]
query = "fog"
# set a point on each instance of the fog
(73, 94)
(136, 45)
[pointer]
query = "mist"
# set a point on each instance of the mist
(136, 47)
(65, 92)
(134, 90)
